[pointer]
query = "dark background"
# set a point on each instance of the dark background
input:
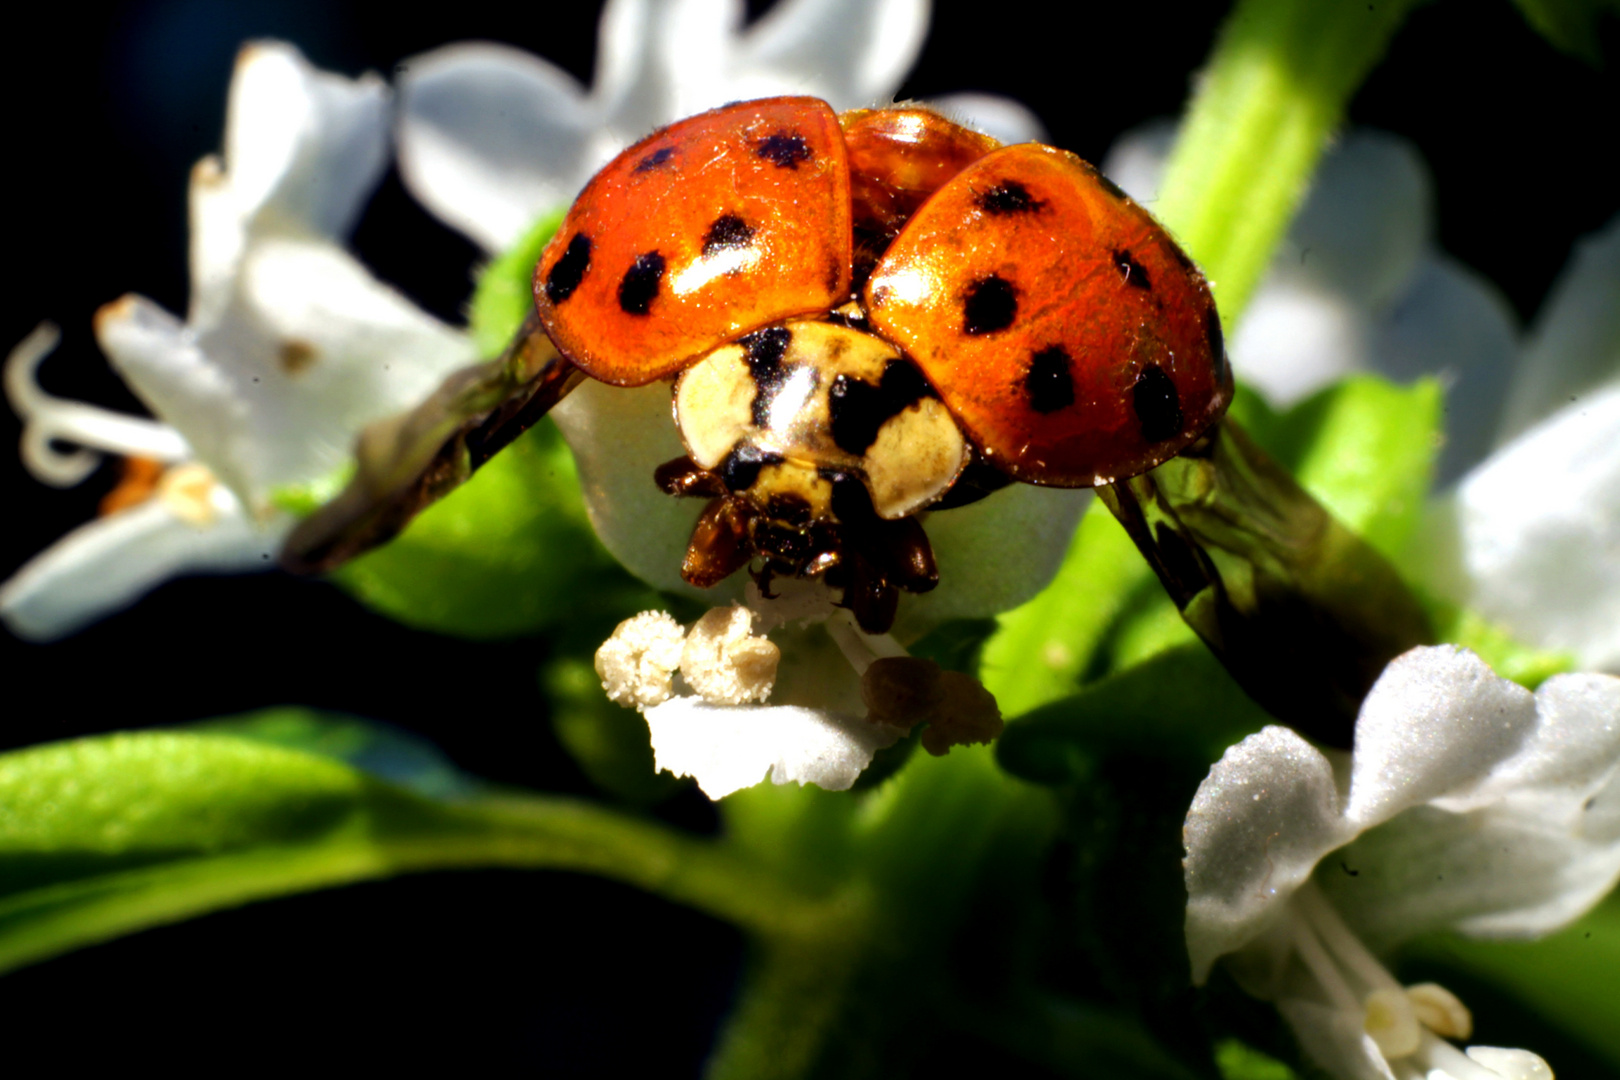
(109, 106)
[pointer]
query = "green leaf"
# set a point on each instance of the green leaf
(609, 742)
(1042, 650)
(1526, 666)
(1180, 703)
(509, 552)
(1239, 1061)
(105, 836)
(1365, 448)
(505, 292)
(1570, 25)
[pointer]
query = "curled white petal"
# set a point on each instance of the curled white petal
(1538, 526)
(729, 748)
(852, 53)
(490, 137)
(304, 145)
(303, 150)
(1434, 725)
(1262, 818)
(109, 563)
(46, 418)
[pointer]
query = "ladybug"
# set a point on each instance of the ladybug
(866, 317)
(871, 315)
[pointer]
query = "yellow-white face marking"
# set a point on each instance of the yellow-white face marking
(778, 411)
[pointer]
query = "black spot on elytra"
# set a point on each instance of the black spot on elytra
(568, 271)
(1049, 382)
(857, 409)
(639, 288)
(1157, 404)
(991, 304)
(1009, 197)
(1135, 273)
(656, 159)
(1112, 188)
(784, 149)
(740, 469)
(727, 231)
(764, 350)
(1217, 342)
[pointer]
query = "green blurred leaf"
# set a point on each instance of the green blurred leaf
(505, 289)
(1239, 1061)
(509, 552)
(1365, 448)
(105, 836)
(1570, 25)
(1042, 650)
(1180, 703)
(609, 742)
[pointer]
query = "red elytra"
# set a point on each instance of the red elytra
(1061, 325)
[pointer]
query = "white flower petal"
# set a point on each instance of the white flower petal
(1452, 323)
(46, 418)
(1334, 1040)
(1262, 818)
(1575, 343)
(1297, 337)
(1539, 532)
(728, 748)
(491, 137)
(1575, 747)
(107, 564)
(1365, 224)
(852, 53)
(1503, 871)
(994, 554)
(1435, 724)
(660, 60)
(313, 349)
(303, 146)
(619, 437)
(1011, 122)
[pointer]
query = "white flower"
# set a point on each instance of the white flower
(841, 694)
(289, 348)
(491, 137)
(1469, 804)
(1530, 535)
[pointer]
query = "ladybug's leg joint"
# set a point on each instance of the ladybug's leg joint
(719, 544)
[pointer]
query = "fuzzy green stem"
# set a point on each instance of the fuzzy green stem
(1275, 90)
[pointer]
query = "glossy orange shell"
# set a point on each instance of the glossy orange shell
(715, 226)
(1061, 324)
(898, 158)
